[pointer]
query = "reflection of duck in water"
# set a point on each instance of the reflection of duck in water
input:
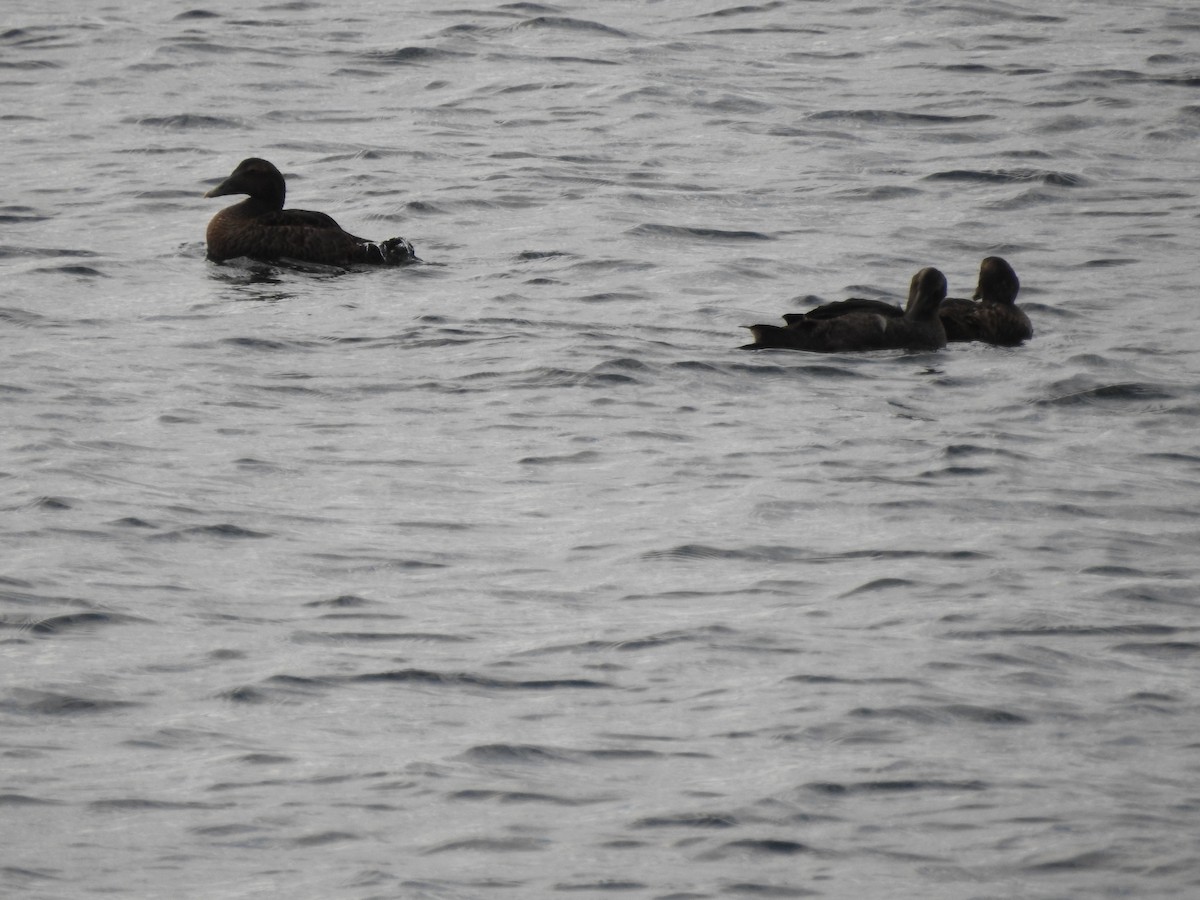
(260, 228)
(996, 319)
(915, 328)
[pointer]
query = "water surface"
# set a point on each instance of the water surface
(508, 574)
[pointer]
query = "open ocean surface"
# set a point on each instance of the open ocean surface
(508, 575)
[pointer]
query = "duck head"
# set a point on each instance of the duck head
(926, 293)
(998, 283)
(255, 177)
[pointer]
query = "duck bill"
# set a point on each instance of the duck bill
(223, 189)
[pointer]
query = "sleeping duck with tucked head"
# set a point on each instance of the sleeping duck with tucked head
(917, 327)
(260, 228)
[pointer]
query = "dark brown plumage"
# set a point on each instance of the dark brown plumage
(915, 328)
(851, 305)
(260, 228)
(996, 319)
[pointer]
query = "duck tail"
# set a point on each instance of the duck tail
(392, 252)
(767, 337)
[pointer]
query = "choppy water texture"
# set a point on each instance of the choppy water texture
(508, 575)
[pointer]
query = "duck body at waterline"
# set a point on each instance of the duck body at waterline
(260, 228)
(995, 318)
(917, 327)
(992, 317)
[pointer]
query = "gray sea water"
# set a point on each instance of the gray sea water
(508, 575)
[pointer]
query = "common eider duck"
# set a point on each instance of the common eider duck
(260, 228)
(915, 328)
(996, 319)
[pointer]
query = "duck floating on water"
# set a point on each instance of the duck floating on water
(995, 319)
(917, 327)
(260, 228)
